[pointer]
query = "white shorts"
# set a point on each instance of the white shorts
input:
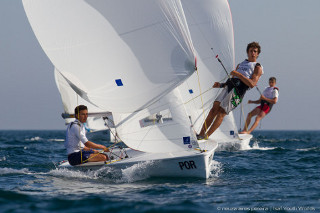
(228, 101)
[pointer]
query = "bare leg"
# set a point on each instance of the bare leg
(212, 114)
(97, 157)
(261, 115)
(217, 122)
(251, 114)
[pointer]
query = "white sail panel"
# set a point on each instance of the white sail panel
(211, 29)
(169, 131)
(70, 99)
(115, 52)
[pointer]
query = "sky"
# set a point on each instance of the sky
(287, 30)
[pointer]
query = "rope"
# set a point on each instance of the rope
(95, 154)
(115, 136)
(198, 95)
(205, 123)
(258, 90)
(244, 117)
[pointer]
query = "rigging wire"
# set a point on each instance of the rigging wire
(115, 135)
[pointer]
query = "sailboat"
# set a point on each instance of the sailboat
(147, 62)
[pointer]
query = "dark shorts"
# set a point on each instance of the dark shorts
(75, 158)
(264, 108)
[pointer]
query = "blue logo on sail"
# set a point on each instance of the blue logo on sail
(119, 82)
(186, 140)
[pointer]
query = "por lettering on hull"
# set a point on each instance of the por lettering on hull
(187, 165)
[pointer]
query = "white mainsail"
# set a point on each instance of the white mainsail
(119, 55)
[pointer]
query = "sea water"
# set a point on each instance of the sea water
(279, 173)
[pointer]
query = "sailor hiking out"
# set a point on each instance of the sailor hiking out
(268, 98)
(246, 75)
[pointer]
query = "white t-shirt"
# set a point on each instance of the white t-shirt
(75, 137)
(246, 68)
(271, 92)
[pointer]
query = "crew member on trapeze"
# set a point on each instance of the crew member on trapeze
(245, 76)
(80, 149)
(268, 98)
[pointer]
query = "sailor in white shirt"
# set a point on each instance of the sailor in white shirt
(268, 98)
(244, 77)
(79, 148)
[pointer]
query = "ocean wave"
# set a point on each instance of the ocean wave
(36, 138)
(229, 146)
(288, 140)
(63, 172)
(273, 140)
(215, 169)
(309, 149)
(240, 146)
(136, 172)
(5, 171)
(56, 139)
(131, 174)
(255, 146)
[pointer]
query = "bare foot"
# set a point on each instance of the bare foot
(244, 132)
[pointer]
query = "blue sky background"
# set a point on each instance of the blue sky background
(288, 31)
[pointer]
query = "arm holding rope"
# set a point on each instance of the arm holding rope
(90, 144)
(272, 101)
(218, 85)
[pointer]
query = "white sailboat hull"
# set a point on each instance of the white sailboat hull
(180, 164)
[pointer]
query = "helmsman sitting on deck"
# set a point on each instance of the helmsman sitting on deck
(80, 149)
(268, 98)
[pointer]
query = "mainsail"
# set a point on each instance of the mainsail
(121, 55)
